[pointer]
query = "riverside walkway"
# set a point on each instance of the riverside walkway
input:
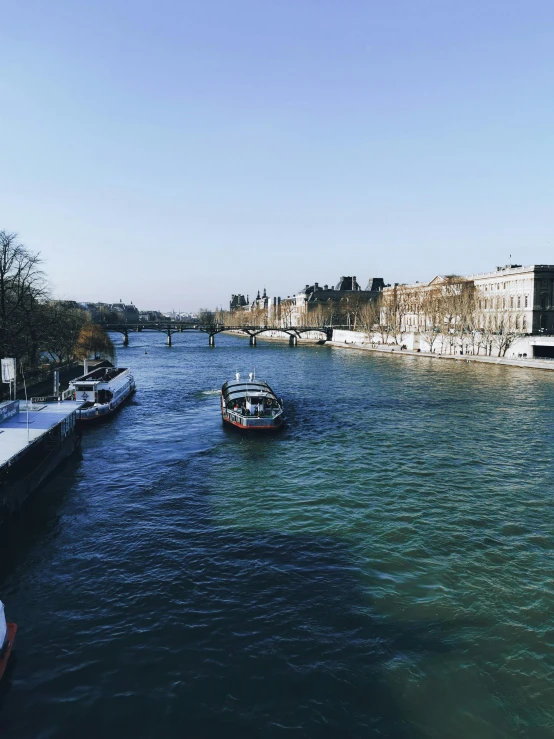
(544, 364)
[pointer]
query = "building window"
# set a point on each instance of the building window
(519, 301)
(544, 301)
(523, 324)
(512, 302)
(526, 300)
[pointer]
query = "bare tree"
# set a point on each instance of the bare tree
(320, 315)
(288, 309)
(22, 288)
(387, 317)
(207, 319)
(369, 318)
(352, 305)
(258, 316)
(432, 309)
(505, 330)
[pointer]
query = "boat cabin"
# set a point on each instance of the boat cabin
(101, 385)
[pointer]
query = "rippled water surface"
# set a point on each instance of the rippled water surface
(384, 567)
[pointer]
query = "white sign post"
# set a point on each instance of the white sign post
(8, 370)
(8, 373)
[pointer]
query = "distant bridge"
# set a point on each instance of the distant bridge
(172, 327)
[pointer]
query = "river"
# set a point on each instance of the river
(383, 567)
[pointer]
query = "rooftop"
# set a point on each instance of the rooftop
(513, 270)
(42, 418)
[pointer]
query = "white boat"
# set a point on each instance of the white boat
(102, 391)
(251, 405)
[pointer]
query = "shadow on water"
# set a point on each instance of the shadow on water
(38, 518)
(296, 649)
(254, 635)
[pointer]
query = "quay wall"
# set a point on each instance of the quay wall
(413, 341)
(416, 347)
(311, 337)
(357, 340)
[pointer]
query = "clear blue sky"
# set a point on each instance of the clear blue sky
(172, 153)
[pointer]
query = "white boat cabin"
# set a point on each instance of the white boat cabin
(102, 386)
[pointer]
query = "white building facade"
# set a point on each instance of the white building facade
(525, 292)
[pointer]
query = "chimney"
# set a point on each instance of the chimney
(325, 287)
(316, 285)
(307, 287)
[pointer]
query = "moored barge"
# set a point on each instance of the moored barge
(101, 392)
(35, 438)
(251, 405)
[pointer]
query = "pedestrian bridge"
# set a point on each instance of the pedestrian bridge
(171, 327)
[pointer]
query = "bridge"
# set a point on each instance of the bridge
(172, 327)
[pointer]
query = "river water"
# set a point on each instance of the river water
(383, 567)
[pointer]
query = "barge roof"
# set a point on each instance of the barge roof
(234, 389)
(42, 418)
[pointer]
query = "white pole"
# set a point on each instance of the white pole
(26, 402)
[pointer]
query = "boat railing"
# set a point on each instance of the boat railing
(265, 414)
(247, 419)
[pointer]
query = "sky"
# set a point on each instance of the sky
(171, 153)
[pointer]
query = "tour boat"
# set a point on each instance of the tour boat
(251, 405)
(102, 391)
(7, 636)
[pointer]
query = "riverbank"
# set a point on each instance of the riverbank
(543, 364)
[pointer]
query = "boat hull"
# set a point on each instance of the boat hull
(265, 428)
(4, 659)
(16, 492)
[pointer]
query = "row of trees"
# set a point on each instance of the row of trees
(447, 315)
(344, 312)
(35, 329)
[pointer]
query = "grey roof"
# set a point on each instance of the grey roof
(235, 389)
(14, 437)
(348, 283)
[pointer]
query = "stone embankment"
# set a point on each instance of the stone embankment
(367, 346)
(543, 364)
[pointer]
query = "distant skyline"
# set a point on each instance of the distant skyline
(171, 154)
